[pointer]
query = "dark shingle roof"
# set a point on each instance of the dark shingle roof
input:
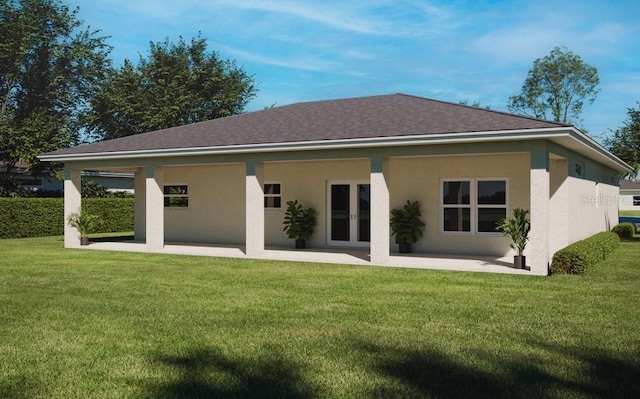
(354, 118)
(629, 185)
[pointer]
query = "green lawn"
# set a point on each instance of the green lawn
(78, 324)
(629, 213)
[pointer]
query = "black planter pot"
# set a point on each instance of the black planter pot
(520, 262)
(301, 244)
(84, 240)
(404, 247)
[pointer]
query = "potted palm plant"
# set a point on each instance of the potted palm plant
(299, 223)
(517, 227)
(406, 225)
(85, 222)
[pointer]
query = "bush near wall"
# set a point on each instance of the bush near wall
(580, 256)
(39, 217)
(116, 214)
(625, 229)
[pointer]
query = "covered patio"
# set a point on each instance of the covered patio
(357, 257)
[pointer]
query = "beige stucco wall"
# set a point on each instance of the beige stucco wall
(216, 212)
(419, 179)
(625, 203)
(593, 207)
(307, 183)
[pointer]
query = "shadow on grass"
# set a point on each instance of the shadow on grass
(427, 373)
(395, 372)
(207, 373)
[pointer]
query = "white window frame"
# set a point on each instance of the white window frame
(272, 208)
(472, 206)
(185, 195)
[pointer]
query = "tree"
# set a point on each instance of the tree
(625, 143)
(50, 67)
(177, 84)
(559, 83)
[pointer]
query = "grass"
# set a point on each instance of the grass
(77, 324)
(629, 213)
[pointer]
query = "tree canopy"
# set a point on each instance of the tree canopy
(625, 142)
(50, 67)
(557, 87)
(175, 85)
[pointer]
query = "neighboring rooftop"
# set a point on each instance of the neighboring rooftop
(629, 185)
(382, 116)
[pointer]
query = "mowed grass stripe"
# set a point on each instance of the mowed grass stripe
(77, 323)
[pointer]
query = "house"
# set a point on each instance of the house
(113, 181)
(223, 183)
(629, 196)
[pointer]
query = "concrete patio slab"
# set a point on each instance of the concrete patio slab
(345, 256)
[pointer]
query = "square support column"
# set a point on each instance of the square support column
(380, 230)
(72, 204)
(538, 249)
(254, 210)
(140, 204)
(154, 208)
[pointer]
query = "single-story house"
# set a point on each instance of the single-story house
(113, 181)
(629, 199)
(225, 182)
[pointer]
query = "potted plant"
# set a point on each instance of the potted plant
(517, 227)
(406, 225)
(85, 222)
(299, 223)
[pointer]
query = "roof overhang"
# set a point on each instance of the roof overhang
(568, 137)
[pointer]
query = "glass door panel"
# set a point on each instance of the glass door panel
(364, 212)
(349, 213)
(340, 212)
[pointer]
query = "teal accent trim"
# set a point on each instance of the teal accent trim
(377, 164)
(540, 155)
(251, 168)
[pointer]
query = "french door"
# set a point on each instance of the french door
(349, 216)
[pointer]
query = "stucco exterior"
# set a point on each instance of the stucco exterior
(566, 180)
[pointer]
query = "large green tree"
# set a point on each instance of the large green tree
(50, 67)
(557, 87)
(625, 142)
(175, 85)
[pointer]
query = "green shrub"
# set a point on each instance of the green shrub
(116, 214)
(625, 230)
(579, 256)
(39, 217)
(31, 217)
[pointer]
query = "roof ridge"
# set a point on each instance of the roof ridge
(560, 124)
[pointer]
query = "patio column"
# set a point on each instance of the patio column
(72, 203)
(254, 214)
(538, 249)
(154, 208)
(380, 230)
(140, 204)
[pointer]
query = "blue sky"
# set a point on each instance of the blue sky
(447, 50)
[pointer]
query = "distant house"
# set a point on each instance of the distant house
(354, 160)
(113, 181)
(629, 196)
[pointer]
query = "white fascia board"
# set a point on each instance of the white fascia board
(429, 139)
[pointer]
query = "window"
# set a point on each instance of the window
(176, 196)
(473, 205)
(456, 206)
(636, 200)
(579, 169)
(272, 196)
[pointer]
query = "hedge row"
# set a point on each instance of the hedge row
(579, 256)
(39, 217)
